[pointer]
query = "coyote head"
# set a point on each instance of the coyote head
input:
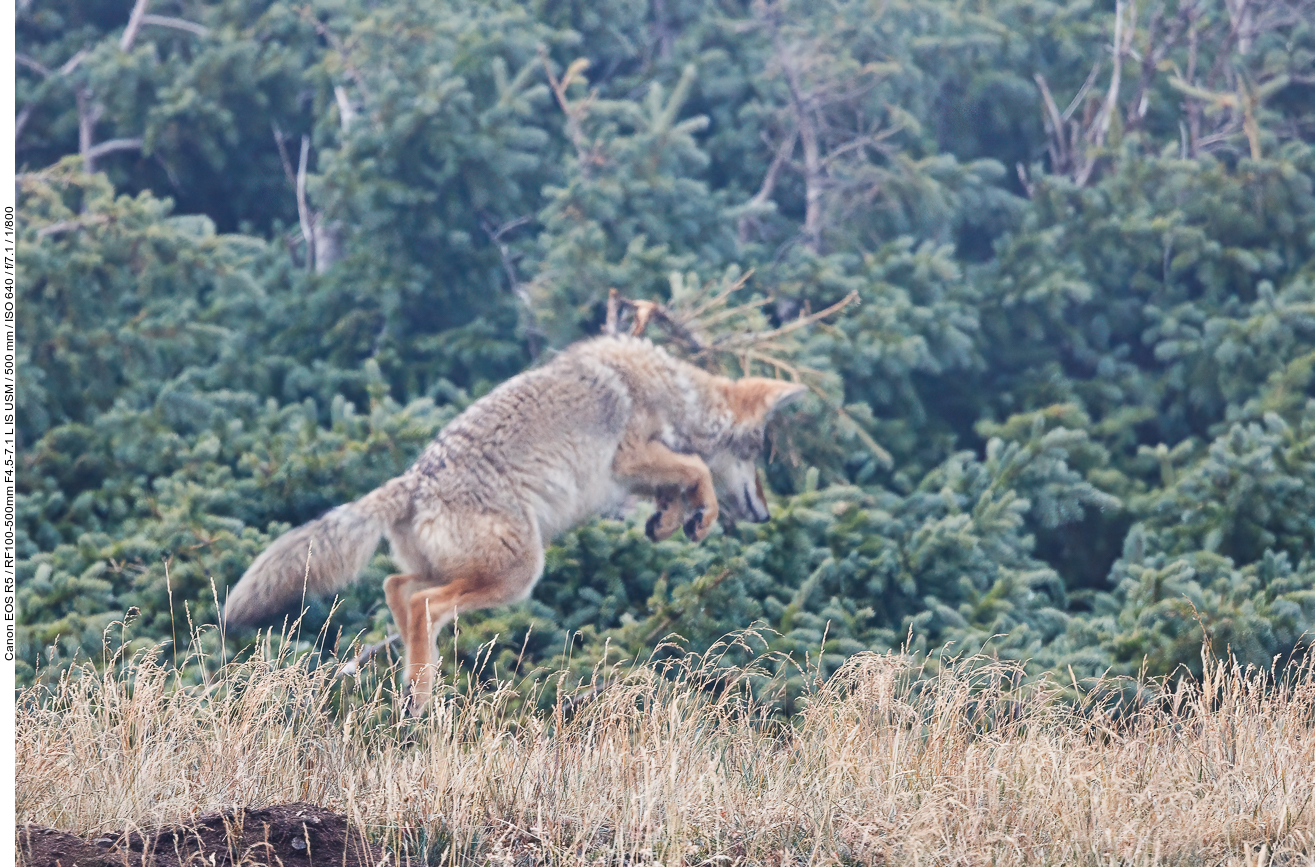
(734, 463)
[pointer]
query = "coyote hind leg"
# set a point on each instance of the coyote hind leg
(500, 568)
(398, 589)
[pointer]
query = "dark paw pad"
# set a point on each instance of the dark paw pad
(693, 524)
(651, 527)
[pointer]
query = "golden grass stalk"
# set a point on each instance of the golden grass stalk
(652, 764)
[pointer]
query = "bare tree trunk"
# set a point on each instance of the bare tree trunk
(813, 171)
(346, 111)
(89, 112)
(812, 185)
(304, 215)
(328, 243)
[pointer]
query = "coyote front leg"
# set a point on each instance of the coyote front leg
(675, 477)
(668, 514)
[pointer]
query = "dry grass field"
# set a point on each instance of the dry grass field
(885, 764)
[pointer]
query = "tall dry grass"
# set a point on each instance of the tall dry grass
(969, 766)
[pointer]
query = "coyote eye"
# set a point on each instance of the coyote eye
(748, 444)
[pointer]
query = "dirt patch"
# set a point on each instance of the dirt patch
(284, 835)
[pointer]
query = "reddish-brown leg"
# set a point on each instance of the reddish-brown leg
(398, 589)
(652, 465)
(500, 559)
(668, 514)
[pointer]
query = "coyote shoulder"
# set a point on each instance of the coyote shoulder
(467, 523)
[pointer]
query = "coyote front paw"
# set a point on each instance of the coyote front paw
(662, 524)
(417, 692)
(406, 702)
(413, 704)
(699, 525)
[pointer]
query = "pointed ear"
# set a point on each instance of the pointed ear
(754, 398)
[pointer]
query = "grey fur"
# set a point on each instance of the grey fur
(315, 559)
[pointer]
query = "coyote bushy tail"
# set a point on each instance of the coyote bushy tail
(313, 560)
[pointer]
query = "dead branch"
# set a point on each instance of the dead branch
(684, 328)
(705, 328)
(839, 132)
(90, 111)
(1057, 144)
(764, 194)
(69, 65)
(32, 64)
(134, 25)
(71, 225)
(1052, 110)
(113, 146)
(613, 312)
(1156, 49)
(794, 325)
(576, 112)
(644, 311)
(283, 154)
(345, 53)
(495, 235)
(1100, 129)
(1072, 144)
(328, 249)
(1028, 187)
(72, 63)
(871, 140)
(304, 215)
(1082, 91)
(176, 24)
(44, 71)
(21, 121)
(883, 457)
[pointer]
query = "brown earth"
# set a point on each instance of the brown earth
(283, 835)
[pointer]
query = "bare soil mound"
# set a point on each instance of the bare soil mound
(286, 835)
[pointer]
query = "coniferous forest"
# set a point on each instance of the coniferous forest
(1067, 417)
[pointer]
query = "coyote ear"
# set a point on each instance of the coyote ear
(792, 392)
(754, 398)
